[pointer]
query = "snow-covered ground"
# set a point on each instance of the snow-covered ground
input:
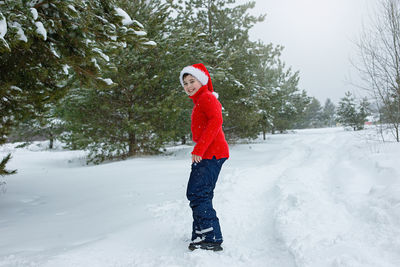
(324, 197)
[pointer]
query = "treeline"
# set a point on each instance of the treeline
(350, 112)
(103, 75)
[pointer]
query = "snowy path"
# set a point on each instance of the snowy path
(315, 198)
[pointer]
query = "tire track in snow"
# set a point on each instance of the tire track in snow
(301, 218)
(250, 202)
(318, 228)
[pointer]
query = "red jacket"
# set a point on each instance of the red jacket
(207, 126)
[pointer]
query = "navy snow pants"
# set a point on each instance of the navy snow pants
(200, 192)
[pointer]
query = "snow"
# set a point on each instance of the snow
(150, 43)
(72, 8)
(3, 26)
(140, 33)
(95, 63)
(104, 56)
(16, 88)
(53, 50)
(65, 69)
(34, 13)
(138, 23)
(108, 81)
(20, 32)
(41, 30)
(239, 84)
(310, 198)
(126, 19)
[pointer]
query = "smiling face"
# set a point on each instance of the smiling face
(191, 84)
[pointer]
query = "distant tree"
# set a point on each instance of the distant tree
(44, 126)
(301, 102)
(287, 102)
(277, 96)
(364, 110)
(312, 115)
(328, 113)
(279, 101)
(347, 111)
(351, 114)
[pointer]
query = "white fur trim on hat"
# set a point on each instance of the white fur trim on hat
(199, 74)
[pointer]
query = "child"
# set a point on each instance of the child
(210, 152)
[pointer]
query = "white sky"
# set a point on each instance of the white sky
(318, 36)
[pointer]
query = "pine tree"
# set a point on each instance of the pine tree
(302, 102)
(133, 115)
(363, 111)
(313, 115)
(44, 126)
(266, 75)
(328, 113)
(349, 114)
(47, 47)
(284, 103)
(219, 39)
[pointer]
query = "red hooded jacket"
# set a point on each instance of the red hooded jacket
(207, 126)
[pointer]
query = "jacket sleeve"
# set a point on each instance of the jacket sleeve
(211, 107)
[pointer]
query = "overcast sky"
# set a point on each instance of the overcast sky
(318, 36)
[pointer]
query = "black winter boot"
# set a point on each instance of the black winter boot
(205, 245)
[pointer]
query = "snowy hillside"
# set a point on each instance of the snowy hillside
(315, 198)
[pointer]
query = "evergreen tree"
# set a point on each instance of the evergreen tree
(363, 111)
(313, 115)
(221, 42)
(49, 46)
(267, 71)
(328, 113)
(349, 114)
(133, 115)
(45, 126)
(284, 103)
(301, 102)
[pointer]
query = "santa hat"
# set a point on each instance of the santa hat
(200, 72)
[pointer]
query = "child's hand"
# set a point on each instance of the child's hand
(196, 158)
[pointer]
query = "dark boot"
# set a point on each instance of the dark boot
(205, 245)
(195, 244)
